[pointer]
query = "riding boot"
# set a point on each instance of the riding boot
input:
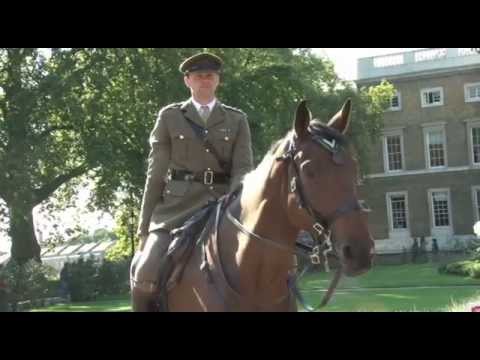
(146, 271)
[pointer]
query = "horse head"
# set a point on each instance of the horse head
(323, 193)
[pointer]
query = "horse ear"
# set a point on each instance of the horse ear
(341, 120)
(302, 119)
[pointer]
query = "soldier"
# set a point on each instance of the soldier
(184, 174)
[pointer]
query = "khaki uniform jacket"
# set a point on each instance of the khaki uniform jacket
(168, 204)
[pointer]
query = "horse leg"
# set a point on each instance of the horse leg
(145, 272)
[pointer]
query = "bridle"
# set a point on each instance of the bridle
(322, 224)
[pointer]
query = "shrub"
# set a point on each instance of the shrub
(463, 268)
(28, 282)
(113, 277)
(80, 278)
(85, 280)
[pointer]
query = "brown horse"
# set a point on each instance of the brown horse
(307, 181)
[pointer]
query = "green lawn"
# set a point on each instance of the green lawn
(393, 288)
(392, 276)
(385, 288)
(121, 304)
(411, 299)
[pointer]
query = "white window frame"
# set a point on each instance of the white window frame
(476, 211)
(432, 210)
(388, 197)
(427, 128)
(472, 124)
(424, 91)
(399, 107)
(386, 164)
(468, 99)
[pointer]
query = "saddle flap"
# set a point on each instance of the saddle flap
(183, 243)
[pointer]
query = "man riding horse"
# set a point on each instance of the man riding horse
(200, 150)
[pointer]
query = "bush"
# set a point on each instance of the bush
(463, 268)
(113, 277)
(28, 282)
(80, 278)
(475, 269)
(86, 280)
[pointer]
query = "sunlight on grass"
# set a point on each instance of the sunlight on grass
(400, 288)
(396, 296)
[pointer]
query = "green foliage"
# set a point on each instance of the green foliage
(113, 277)
(125, 230)
(71, 113)
(81, 278)
(367, 122)
(99, 235)
(469, 268)
(29, 281)
(86, 279)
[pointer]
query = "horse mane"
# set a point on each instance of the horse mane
(265, 165)
(316, 128)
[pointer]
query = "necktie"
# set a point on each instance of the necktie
(204, 112)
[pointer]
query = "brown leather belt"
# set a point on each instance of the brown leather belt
(207, 177)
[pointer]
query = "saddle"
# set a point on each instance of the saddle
(184, 241)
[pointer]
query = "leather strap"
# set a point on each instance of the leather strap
(205, 177)
(200, 133)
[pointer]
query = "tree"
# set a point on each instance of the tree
(69, 114)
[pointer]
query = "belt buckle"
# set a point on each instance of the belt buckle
(208, 177)
(315, 256)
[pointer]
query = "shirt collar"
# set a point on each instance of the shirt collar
(198, 105)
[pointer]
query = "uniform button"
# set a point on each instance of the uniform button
(207, 150)
(168, 192)
(227, 138)
(181, 137)
(206, 132)
(211, 188)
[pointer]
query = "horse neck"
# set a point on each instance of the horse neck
(257, 267)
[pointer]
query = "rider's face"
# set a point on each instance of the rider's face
(203, 83)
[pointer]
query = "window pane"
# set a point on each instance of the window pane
(394, 151)
(436, 148)
(440, 208)
(476, 144)
(395, 102)
(432, 97)
(474, 92)
(478, 202)
(399, 212)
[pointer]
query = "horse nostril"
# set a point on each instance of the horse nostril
(347, 252)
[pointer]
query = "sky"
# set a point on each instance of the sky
(345, 59)
(345, 62)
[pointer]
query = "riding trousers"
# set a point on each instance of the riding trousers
(147, 263)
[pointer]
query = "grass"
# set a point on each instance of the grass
(118, 304)
(392, 276)
(412, 287)
(389, 300)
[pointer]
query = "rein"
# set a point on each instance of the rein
(321, 229)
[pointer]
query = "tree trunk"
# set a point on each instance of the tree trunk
(24, 242)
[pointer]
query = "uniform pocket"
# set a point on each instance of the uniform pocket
(175, 190)
(223, 140)
(180, 146)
